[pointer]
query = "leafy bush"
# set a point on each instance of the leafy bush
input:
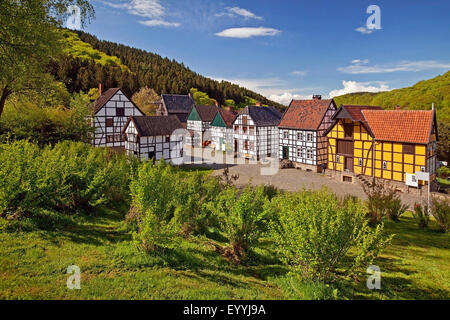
(443, 172)
(382, 201)
(440, 210)
(195, 193)
(153, 204)
(69, 175)
(314, 233)
(242, 217)
(421, 215)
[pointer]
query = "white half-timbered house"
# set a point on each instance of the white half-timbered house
(111, 111)
(199, 124)
(222, 130)
(256, 132)
(151, 138)
(302, 129)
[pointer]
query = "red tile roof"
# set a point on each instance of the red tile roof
(413, 126)
(228, 116)
(305, 114)
(355, 111)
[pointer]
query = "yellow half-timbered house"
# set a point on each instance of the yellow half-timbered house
(386, 144)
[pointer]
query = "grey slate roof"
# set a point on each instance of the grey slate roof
(155, 125)
(263, 116)
(176, 103)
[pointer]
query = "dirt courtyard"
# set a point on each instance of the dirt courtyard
(294, 179)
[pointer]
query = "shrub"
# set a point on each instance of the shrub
(314, 233)
(440, 210)
(421, 215)
(382, 201)
(242, 217)
(193, 202)
(153, 204)
(443, 172)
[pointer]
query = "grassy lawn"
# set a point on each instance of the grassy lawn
(33, 266)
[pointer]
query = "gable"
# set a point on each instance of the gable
(306, 114)
(114, 98)
(194, 116)
(218, 121)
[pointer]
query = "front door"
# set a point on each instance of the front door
(285, 153)
(348, 164)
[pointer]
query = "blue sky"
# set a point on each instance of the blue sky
(288, 49)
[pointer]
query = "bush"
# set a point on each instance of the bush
(421, 215)
(242, 217)
(195, 193)
(440, 210)
(69, 176)
(153, 205)
(315, 231)
(382, 201)
(443, 172)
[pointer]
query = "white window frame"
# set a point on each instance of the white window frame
(384, 165)
(360, 162)
(309, 154)
(300, 136)
(309, 137)
(286, 134)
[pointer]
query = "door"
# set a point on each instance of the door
(348, 164)
(235, 145)
(285, 153)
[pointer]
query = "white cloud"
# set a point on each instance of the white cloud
(286, 97)
(354, 86)
(243, 33)
(233, 12)
(361, 67)
(364, 30)
(153, 10)
(298, 73)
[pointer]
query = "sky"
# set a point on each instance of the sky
(289, 49)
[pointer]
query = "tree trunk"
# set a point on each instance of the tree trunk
(4, 96)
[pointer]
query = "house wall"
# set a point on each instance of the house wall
(111, 136)
(302, 145)
(255, 141)
(224, 135)
(155, 147)
(389, 161)
(199, 128)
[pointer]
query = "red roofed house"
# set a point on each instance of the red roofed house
(386, 144)
(111, 111)
(302, 128)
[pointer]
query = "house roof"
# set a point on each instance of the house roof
(176, 103)
(413, 126)
(228, 116)
(106, 96)
(305, 114)
(154, 125)
(263, 116)
(207, 113)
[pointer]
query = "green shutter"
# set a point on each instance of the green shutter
(194, 115)
(218, 121)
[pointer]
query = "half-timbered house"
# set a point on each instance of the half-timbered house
(199, 124)
(152, 138)
(302, 129)
(256, 132)
(222, 130)
(385, 144)
(111, 111)
(175, 104)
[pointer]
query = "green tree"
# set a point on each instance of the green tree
(29, 37)
(147, 100)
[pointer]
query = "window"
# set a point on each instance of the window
(236, 128)
(300, 152)
(309, 137)
(286, 134)
(118, 138)
(109, 138)
(345, 147)
(167, 138)
(245, 144)
(120, 112)
(360, 162)
(244, 129)
(109, 122)
(309, 154)
(408, 148)
(422, 169)
(338, 159)
(244, 120)
(300, 136)
(348, 130)
(384, 165)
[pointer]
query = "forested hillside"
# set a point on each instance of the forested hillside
(419, 96)
(85, 67)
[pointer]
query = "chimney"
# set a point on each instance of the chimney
(317, 97)
(99, 89)
(397, 107)
(258, 104)
(217, 104)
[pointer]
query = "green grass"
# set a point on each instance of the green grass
(33, 266)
